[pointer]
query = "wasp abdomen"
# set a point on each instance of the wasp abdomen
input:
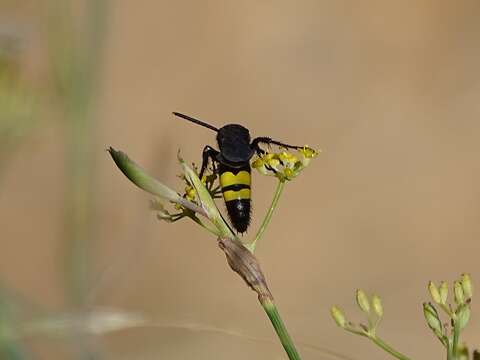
(236, 189)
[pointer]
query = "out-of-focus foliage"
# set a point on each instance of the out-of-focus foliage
(16, 100)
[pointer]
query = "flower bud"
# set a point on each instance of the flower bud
(190, 193)
(377, 305)
(443, 292)
(289, 173)
(432, 288)
(338, 316)
(463, 315)
(362, 301)
(458, 291)
(178, 207)
(287, 158)
(274, 163)
(307, 154)
(259, 164)
(467, 285)
(431, 316)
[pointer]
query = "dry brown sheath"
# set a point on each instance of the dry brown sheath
(245, 264)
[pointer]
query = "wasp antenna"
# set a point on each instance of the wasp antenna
(198, 122)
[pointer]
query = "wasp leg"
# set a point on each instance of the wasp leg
(268, 167)
(208, 153)
(268, 141)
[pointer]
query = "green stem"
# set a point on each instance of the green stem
(456, 335)
(268, 216)
(389, 349)
(282, 333)
(449, 350)
(356, 332)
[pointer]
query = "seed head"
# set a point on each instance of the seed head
(362, 301)
(338, 316)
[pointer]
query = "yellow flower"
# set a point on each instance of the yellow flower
(284, 165)
(190, 193)
(289, 173)
(273, 162)
(178, 206)
(288, 160)
(307, 154)
(259, 164)
(268, 156)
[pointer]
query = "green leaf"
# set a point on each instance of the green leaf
(433, 320)
(463, 316)
(146, 182)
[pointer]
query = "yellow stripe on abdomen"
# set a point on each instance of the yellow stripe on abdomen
(241, 194)
(228, 178)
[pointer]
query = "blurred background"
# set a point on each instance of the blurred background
(389, 90)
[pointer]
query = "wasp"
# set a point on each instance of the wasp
(232, 165)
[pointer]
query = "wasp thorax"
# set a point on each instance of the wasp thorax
(234, 143)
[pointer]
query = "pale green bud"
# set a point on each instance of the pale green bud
(458, 291)
(443, 292)
(362, 301)
(433, 289)
(338, 316)
(433, 321)
(467, 285)
(463, 315)
(377, 305)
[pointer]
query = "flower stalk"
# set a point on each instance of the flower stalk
(383, 345)
(274, 316)
(268, 217)
(373, 310)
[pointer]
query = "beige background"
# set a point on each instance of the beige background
(389, 90)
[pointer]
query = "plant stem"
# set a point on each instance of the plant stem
(268, 216)
(456, 335)
(274, 316)
(449, 350)
(388, 348)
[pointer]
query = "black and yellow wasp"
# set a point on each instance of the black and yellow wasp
(232, 164)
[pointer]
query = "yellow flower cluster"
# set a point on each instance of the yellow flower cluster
(284, 165)
(190, 194)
